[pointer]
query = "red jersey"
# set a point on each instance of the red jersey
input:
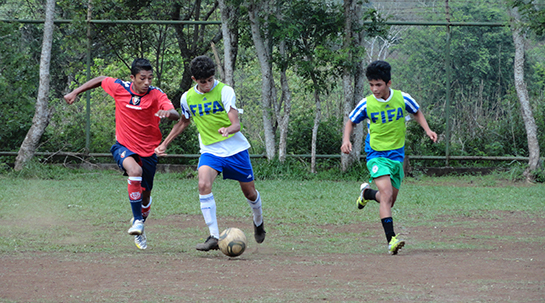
(136, 126)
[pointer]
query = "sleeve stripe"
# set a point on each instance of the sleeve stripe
(360, 112)
(410, 104)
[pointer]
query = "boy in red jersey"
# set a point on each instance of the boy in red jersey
(139, 107)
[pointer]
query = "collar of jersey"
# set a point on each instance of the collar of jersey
(201, 93)
(390, 97)
(135, 94)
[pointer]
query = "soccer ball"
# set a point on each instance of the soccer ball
(232, 242)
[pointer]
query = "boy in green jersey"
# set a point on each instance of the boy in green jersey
(386, 111)
(224, 149)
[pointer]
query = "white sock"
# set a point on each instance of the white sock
(256, 208)
(208, 209)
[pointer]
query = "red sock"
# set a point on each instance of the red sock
(135, 190)
(135, 196)
(146, 209)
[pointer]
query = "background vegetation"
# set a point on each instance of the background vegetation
(485, 113)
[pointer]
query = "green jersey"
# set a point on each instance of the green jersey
(387, 122)
(208, 113)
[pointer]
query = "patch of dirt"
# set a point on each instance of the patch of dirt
(486, 271)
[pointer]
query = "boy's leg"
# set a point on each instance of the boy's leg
(366, 194)
(254, 200)
(134, 188)
(387, 175)
(388, 195)
(385, 196)
(149, 167)
(239, 167)
(207, 175)
(128, 161)
(146, 204)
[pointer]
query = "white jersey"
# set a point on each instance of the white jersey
(227, 147)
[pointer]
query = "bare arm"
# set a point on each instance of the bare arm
(93, 83)
(419, 117)
(177, 129)
(171, 114)
(346, 147)
(235, 124)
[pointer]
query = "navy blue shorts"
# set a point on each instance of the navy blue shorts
(148, 164)
(236, 167)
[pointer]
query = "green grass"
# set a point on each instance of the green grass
(87, 211)
(82, 217)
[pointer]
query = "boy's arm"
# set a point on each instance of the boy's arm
(93, 83)
(171, 114)
(177, 129)
(346, 147)
(419, 117)
(235, 124)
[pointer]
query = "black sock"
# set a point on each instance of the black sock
(388, 225)
(370, 194)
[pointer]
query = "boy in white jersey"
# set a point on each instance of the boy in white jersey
(224, 149)
(385, 110)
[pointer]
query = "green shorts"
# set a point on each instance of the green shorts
(382, 166)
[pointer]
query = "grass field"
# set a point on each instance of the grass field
(74, 223)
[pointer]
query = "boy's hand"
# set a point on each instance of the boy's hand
(224, 131)
(346, 147)
(160, 150)
(432, 135)
(162, 114)
(70, 98)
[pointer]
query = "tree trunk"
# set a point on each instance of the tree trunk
(317, 118)
(283, 118)
(268, 91)
(192, 45)
(43, 112)
(348, 104)
(522, 93)
(229, 28)
(351, 79)
(360, 82)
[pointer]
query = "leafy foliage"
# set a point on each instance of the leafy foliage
(484, 110)
(329, 137)
(534, 13)
(18, 83)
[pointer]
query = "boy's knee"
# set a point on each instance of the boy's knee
(252, 195)
(205, 187)
(134, 171)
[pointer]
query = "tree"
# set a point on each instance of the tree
(353, 72)
(196, 40)
(19, 79)
(262, 42)
(519, 30)
(283, 59)
(230, 11)
(534, 12)
(43, 112)
(314, 38)
(481, 74)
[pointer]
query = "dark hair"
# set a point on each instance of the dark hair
(379, 70)
(140, 64)
(202, 67)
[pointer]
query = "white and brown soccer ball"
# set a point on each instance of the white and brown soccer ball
(232, 242)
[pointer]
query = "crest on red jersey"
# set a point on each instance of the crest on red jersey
(135, 100)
